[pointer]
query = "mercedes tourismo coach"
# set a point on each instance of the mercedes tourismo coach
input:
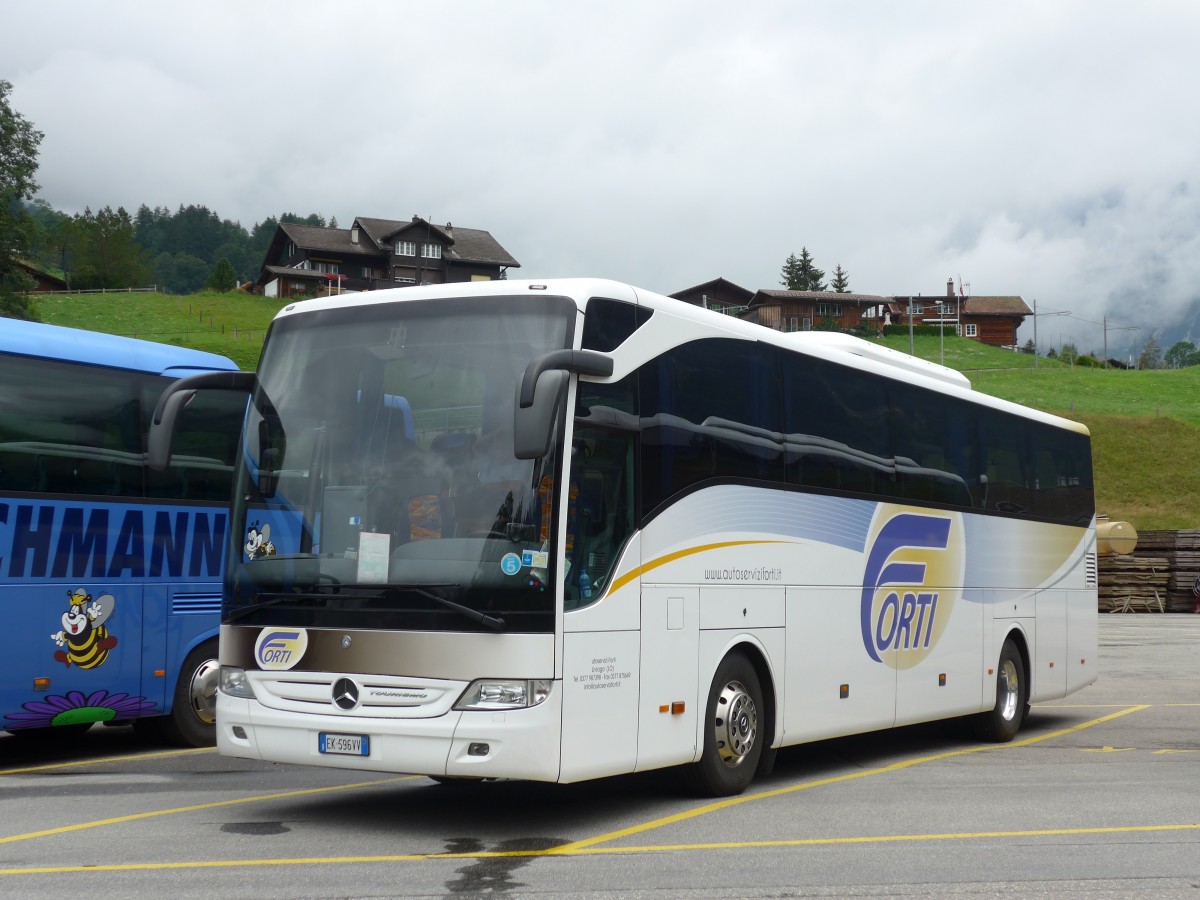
(110, 573)
(567, 529)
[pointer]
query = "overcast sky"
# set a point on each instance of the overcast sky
(1046, 149)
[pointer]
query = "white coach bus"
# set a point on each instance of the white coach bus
(568, 529)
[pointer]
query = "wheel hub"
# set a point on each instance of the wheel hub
(1010, 690)
(203, 691)
(736, 724)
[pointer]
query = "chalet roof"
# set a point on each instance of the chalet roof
(38, 272)
(717, 284)
(996, 306)
(330, 240)
(768, 296)
(291, 272)
(462, 244)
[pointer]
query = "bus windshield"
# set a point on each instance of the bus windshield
(379, 487)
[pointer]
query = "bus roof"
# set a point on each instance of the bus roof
(842, 348)
(36, 339)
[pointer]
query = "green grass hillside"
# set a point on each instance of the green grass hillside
(231, 324)
(1145, 425)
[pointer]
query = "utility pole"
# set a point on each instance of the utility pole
(910, 329)
(1059, 312)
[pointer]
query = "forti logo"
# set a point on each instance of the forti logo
(278, 650)
(912, 578)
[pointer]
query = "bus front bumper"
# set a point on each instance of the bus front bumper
(522, 743)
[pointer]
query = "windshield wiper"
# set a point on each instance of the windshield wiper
(493, 622)
(242, 611)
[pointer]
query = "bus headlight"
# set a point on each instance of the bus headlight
(492, 693)
(234, 683)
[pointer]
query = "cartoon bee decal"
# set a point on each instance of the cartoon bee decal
(258, 542)
(84, 636)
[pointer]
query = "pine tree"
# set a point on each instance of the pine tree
(841, 281)
(799, 273)
(811, 278)
(790, 273)
(223, 277)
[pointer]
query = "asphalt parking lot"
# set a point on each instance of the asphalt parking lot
(1098, 797)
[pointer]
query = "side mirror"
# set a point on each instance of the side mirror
(584, 362)
(272, 442)
(175, 397)
(538, 397)
(533, 425)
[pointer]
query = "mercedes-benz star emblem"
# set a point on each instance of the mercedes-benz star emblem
(345, 694)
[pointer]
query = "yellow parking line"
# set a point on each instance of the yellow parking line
(134, 817)
(822, 782)
(599, 851)
(107, 759)
(589, 845)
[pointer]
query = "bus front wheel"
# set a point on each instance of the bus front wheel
(732, 731)
(194, 712)
(1002, 722)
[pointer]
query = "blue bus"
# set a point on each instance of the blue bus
(110, 573)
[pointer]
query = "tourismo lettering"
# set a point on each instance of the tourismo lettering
(59, 540)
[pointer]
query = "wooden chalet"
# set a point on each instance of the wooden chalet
(46, 283)
(718, 294)
(785, 310)
(378, 253)
(989, 320)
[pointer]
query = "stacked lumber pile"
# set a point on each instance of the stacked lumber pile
(1159, 576)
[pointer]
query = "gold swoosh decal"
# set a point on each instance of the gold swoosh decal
(679, 554)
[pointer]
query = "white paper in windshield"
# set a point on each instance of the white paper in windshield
(374, 550)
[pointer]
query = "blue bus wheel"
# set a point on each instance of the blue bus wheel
(193, 713)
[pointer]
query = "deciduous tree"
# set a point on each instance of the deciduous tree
(1181, 355)
(106, 253)
(19, 142)
(1151, 357)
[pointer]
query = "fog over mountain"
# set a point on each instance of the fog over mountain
(1039, 149)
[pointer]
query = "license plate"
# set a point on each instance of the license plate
(344, 744)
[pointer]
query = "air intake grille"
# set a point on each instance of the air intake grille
(1090, 574)
(195, 604)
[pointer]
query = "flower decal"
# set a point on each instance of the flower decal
(77, 708)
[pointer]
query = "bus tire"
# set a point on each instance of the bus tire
(1001, 723)
(733, 731)
(192, 721)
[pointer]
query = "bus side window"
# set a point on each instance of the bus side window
(600, 511)
(1011, 479)
(203, 448)
(57, 438)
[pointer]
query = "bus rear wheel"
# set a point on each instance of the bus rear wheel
(732, 730)
(1003, 721)
(193, 717)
